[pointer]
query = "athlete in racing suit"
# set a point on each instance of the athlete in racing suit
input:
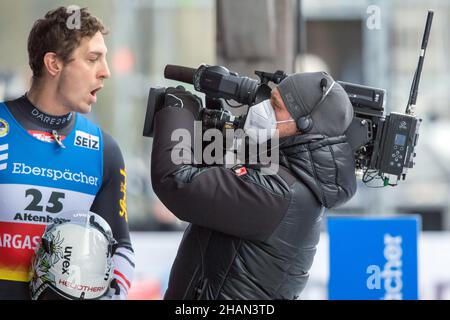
(52, 159)
(29, 202)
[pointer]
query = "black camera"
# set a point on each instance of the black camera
(383, 145)
(219, 86)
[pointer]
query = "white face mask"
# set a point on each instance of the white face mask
(261, 122)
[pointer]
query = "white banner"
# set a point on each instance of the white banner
(155, 252)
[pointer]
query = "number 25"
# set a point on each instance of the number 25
(54, 200)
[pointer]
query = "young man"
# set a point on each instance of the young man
(54, 160)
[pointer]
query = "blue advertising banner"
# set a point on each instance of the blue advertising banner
(373, 258)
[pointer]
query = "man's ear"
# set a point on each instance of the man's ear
(52, 64)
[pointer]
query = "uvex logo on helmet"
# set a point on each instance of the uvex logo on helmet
(66, 260)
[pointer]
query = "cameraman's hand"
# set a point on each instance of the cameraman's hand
(179, 97)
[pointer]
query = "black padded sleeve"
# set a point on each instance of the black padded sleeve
(214, 197)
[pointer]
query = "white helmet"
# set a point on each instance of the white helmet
(74, 260)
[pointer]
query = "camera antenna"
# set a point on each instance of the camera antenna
(410, 109)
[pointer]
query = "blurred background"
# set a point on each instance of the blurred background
(374, 43)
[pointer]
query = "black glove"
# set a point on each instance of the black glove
(179, 97)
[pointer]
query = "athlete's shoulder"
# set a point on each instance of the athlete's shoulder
(83, 121)
(109, 143)
(111, 153)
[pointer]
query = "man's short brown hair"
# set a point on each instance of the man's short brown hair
(54, 33)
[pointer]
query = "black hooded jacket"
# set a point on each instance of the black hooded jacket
(251, 236)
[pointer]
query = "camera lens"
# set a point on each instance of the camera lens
(247, 89)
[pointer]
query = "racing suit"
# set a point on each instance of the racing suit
(50, 165)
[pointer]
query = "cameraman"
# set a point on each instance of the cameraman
(254, 236)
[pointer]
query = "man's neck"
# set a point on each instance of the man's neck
(45, 99)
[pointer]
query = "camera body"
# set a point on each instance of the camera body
(383, 145)
(219, 85)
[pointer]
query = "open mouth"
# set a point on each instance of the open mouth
(94, 92)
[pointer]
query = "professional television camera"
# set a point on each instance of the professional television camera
(383, 145)
(219, 85)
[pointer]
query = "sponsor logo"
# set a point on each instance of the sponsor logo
(4, 128)
(86, 140)
(81, 215)
(19, 241)
(80, 287)
(392, 271)
(44, 136)
(55, 175)
(240, 171)
(32, 218)
(51, 120)
(66, 260)
(123, 202)
(3, 156)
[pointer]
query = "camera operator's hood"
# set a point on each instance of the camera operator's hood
(303, 94)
